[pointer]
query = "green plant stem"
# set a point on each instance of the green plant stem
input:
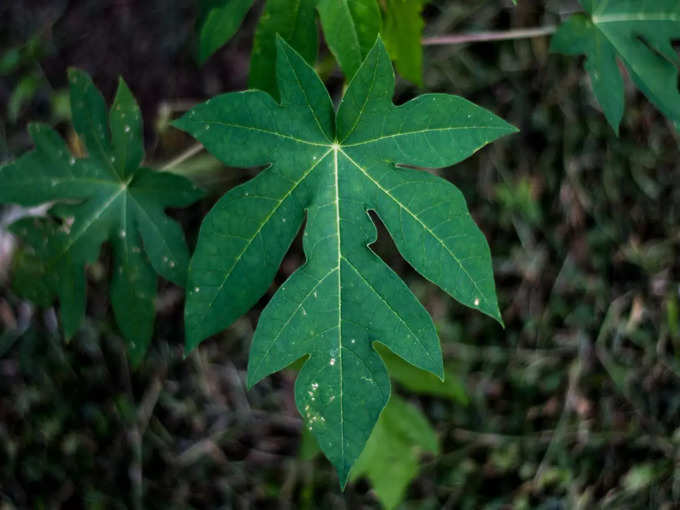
(503, 35)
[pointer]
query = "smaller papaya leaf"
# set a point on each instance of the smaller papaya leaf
(402, 31)
(333, 167)
(350, 28)
(639, 33)
(391, 459)
(217, 22)
(104, 197)
(296, 23)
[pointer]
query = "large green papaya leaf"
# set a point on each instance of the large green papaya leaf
(332, 168)
(639, 32)
(104, 197)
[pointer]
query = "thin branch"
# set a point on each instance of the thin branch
(504, 35)
(569, 402)
(191, 151)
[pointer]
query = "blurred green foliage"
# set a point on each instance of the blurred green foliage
(574, 405)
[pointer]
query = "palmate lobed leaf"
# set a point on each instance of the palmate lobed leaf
(104, 197)
(639, 33)
(332, 168)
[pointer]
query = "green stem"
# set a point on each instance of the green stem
(191, 151)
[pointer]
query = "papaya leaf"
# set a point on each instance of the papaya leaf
(104, 197)
(391, 459)
(639, 33)
(296, 23)
(333, 168)
(350, 28)
(402, 31)
(217, 22)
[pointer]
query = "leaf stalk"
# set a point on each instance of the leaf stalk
(502, 35)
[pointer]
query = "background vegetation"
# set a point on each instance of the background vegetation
(576, 404)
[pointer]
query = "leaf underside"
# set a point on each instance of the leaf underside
(391, 459)
(331, 169)
(639, 33)
(217, 23)
(350, 28)
(295, 21)
(104, 197)
(403, 30)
